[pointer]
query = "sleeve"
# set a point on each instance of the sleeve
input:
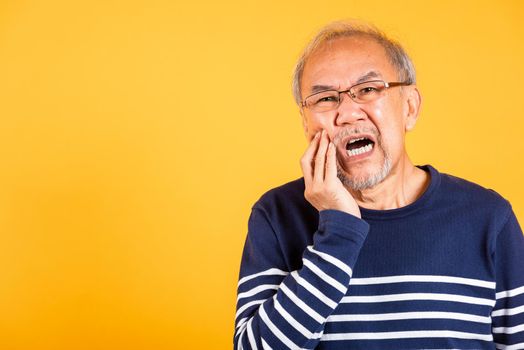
(280, 309)
(508, 313)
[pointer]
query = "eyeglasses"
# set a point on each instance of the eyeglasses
(368, 91)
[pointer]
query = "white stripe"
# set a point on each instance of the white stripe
(509, 330)
(251, 336)
(297, 325)
(330, 258)
(406, 335)
(242, 320)
(265, 346)
(239, 340)
(273, 271)
(251, 303)
(240, 347)
(315, 315)
(256, 290)
(328, 279)
(518, 346)
(281, 336)
(417, 296)
(241, 329)
(409, 316)
(313, 290)
(510, 293)
(508, 312)
(422, 278)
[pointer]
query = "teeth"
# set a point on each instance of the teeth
(355, 140)
(360, 150)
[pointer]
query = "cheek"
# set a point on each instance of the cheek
(393, 139)
(388, 120)
(318, 123)
(391, 134)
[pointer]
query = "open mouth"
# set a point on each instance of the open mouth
(358, 146)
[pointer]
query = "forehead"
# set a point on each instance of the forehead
(343, 62)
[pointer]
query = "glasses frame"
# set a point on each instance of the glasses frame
(352, 95)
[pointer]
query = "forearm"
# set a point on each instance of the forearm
(290, 309)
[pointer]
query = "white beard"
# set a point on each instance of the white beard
(358, 184)
(365, 183)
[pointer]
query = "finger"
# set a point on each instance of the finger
(306, 162)
(331, 162)
(320, 158)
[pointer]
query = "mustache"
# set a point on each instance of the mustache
(358, 130)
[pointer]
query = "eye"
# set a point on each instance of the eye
(367, 90)
(327, 97)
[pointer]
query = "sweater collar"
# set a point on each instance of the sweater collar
(421, 202)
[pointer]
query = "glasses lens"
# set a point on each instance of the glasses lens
(323, 101)
(368, 91)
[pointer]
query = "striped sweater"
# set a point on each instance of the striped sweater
(445, 272)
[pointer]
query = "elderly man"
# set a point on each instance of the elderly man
(368, 251)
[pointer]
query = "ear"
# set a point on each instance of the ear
(414, 99)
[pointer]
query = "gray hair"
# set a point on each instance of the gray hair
(343, 29)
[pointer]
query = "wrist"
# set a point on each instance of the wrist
(355, 211)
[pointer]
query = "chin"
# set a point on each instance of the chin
(359, 182)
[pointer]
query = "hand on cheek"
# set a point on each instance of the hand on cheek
(323, 188)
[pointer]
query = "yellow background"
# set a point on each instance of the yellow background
(135, 136)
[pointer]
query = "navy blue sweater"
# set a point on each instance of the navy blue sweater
(445, 272)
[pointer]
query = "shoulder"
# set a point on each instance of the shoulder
(283, 197)
(286, 203)
(287, 210)
(472, 197)
(462, 189)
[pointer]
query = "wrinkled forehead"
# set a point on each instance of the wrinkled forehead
(343, 62)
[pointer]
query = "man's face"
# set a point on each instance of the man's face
(369, 137)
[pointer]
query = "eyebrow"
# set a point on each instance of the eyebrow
(319, 88)
(369, 75)
(366, 77)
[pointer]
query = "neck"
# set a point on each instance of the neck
(404, 185)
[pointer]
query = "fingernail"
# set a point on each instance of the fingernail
(317, 134)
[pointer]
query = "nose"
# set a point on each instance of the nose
(348, 111)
